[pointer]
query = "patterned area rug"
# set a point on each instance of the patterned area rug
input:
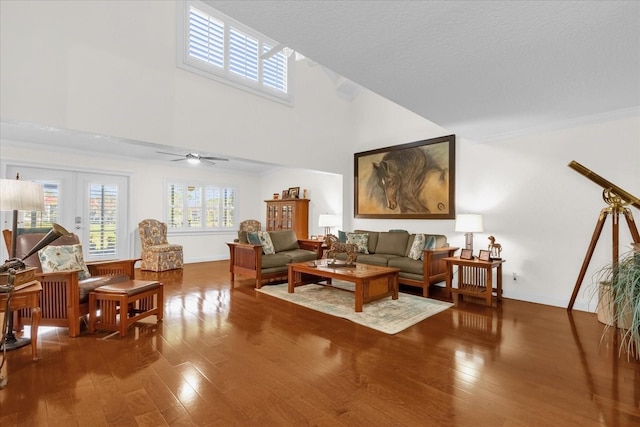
(385, 315)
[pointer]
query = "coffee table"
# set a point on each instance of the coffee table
(372, 282)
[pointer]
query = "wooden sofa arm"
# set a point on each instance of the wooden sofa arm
(434, 268)
(312, 245)
(113, 267)
(245, 256)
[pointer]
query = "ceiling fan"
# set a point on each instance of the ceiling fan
(194, 158)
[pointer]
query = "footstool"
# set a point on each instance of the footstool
(133, 300)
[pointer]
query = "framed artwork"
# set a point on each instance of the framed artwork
(408, 181)
(285, 194)
(294, 192)
(484, 255)
(466, 254)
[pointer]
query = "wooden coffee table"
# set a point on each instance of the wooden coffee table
(371, 281)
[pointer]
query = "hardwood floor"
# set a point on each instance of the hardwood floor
(236, 357)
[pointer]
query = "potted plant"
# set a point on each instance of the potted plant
(620, 299)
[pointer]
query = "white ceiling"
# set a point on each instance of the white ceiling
(477, 68)
(75, 141)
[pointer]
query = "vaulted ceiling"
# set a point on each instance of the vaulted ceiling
(480, 69)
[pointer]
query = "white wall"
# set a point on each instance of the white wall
(109, 68)
(542, 212)
(324, 192)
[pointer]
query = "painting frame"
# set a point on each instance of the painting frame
(294, 192)
(425, 188)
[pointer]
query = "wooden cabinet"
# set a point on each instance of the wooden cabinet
(289, 214)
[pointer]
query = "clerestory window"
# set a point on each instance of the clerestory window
(216, 46)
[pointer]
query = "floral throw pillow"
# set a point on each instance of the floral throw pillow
(416, 249)
(267, 244)
(63, 258)
(361, 240)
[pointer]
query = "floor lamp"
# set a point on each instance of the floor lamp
(16, 195)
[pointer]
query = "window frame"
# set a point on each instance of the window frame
(225, 75)
(203, 207)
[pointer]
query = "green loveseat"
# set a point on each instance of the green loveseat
(248, 259)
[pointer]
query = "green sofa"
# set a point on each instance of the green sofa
(248, 259)
(391, 249)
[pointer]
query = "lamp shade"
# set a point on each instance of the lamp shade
(328, 220)
(469, 223)
(16, 195)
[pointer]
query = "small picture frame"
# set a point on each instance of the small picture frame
(285, 194)
(466, 254)
(484, 255)
(313, 237)
(294, 192)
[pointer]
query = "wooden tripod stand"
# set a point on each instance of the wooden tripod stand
(616, 207)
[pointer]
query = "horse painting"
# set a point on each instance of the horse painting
(414, 180)
(401, 177)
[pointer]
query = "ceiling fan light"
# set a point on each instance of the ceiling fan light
(193, 160)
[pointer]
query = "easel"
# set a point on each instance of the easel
(616, 207)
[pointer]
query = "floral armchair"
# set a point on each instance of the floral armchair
(157, 253)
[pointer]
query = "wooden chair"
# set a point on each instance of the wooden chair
(65, 299)
(157, 253)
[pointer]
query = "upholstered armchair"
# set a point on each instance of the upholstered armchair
(157, 253)
(247, 226)
(65, 296)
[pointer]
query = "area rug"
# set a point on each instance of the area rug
(385, 315)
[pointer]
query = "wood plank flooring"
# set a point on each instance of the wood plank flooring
(226, 357)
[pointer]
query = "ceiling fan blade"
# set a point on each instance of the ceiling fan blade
(204, 159)
(177, 160)
(214, 158)
(171, 154)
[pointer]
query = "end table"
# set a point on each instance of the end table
(475, 278)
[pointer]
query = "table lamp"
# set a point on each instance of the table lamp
(469, 224)
(16, 195)
(327, 221)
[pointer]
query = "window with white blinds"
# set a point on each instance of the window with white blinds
(216, 46)
(103, 219)
(200, 207)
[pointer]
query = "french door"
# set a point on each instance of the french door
(93, 206)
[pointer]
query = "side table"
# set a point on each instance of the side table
(475, 278)
(28, 297)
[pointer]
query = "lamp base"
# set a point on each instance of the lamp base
(468, 240)
(13, 343)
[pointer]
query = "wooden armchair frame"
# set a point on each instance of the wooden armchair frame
(60, 298)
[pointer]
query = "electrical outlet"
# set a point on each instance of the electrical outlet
(515, 277)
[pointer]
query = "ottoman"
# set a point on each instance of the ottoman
(124, 303)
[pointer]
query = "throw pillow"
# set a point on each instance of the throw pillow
(267, 245)
(361, 240)
(416, 248)
(429, 244)
(253, 238)
(63, 258)
(342, 236)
